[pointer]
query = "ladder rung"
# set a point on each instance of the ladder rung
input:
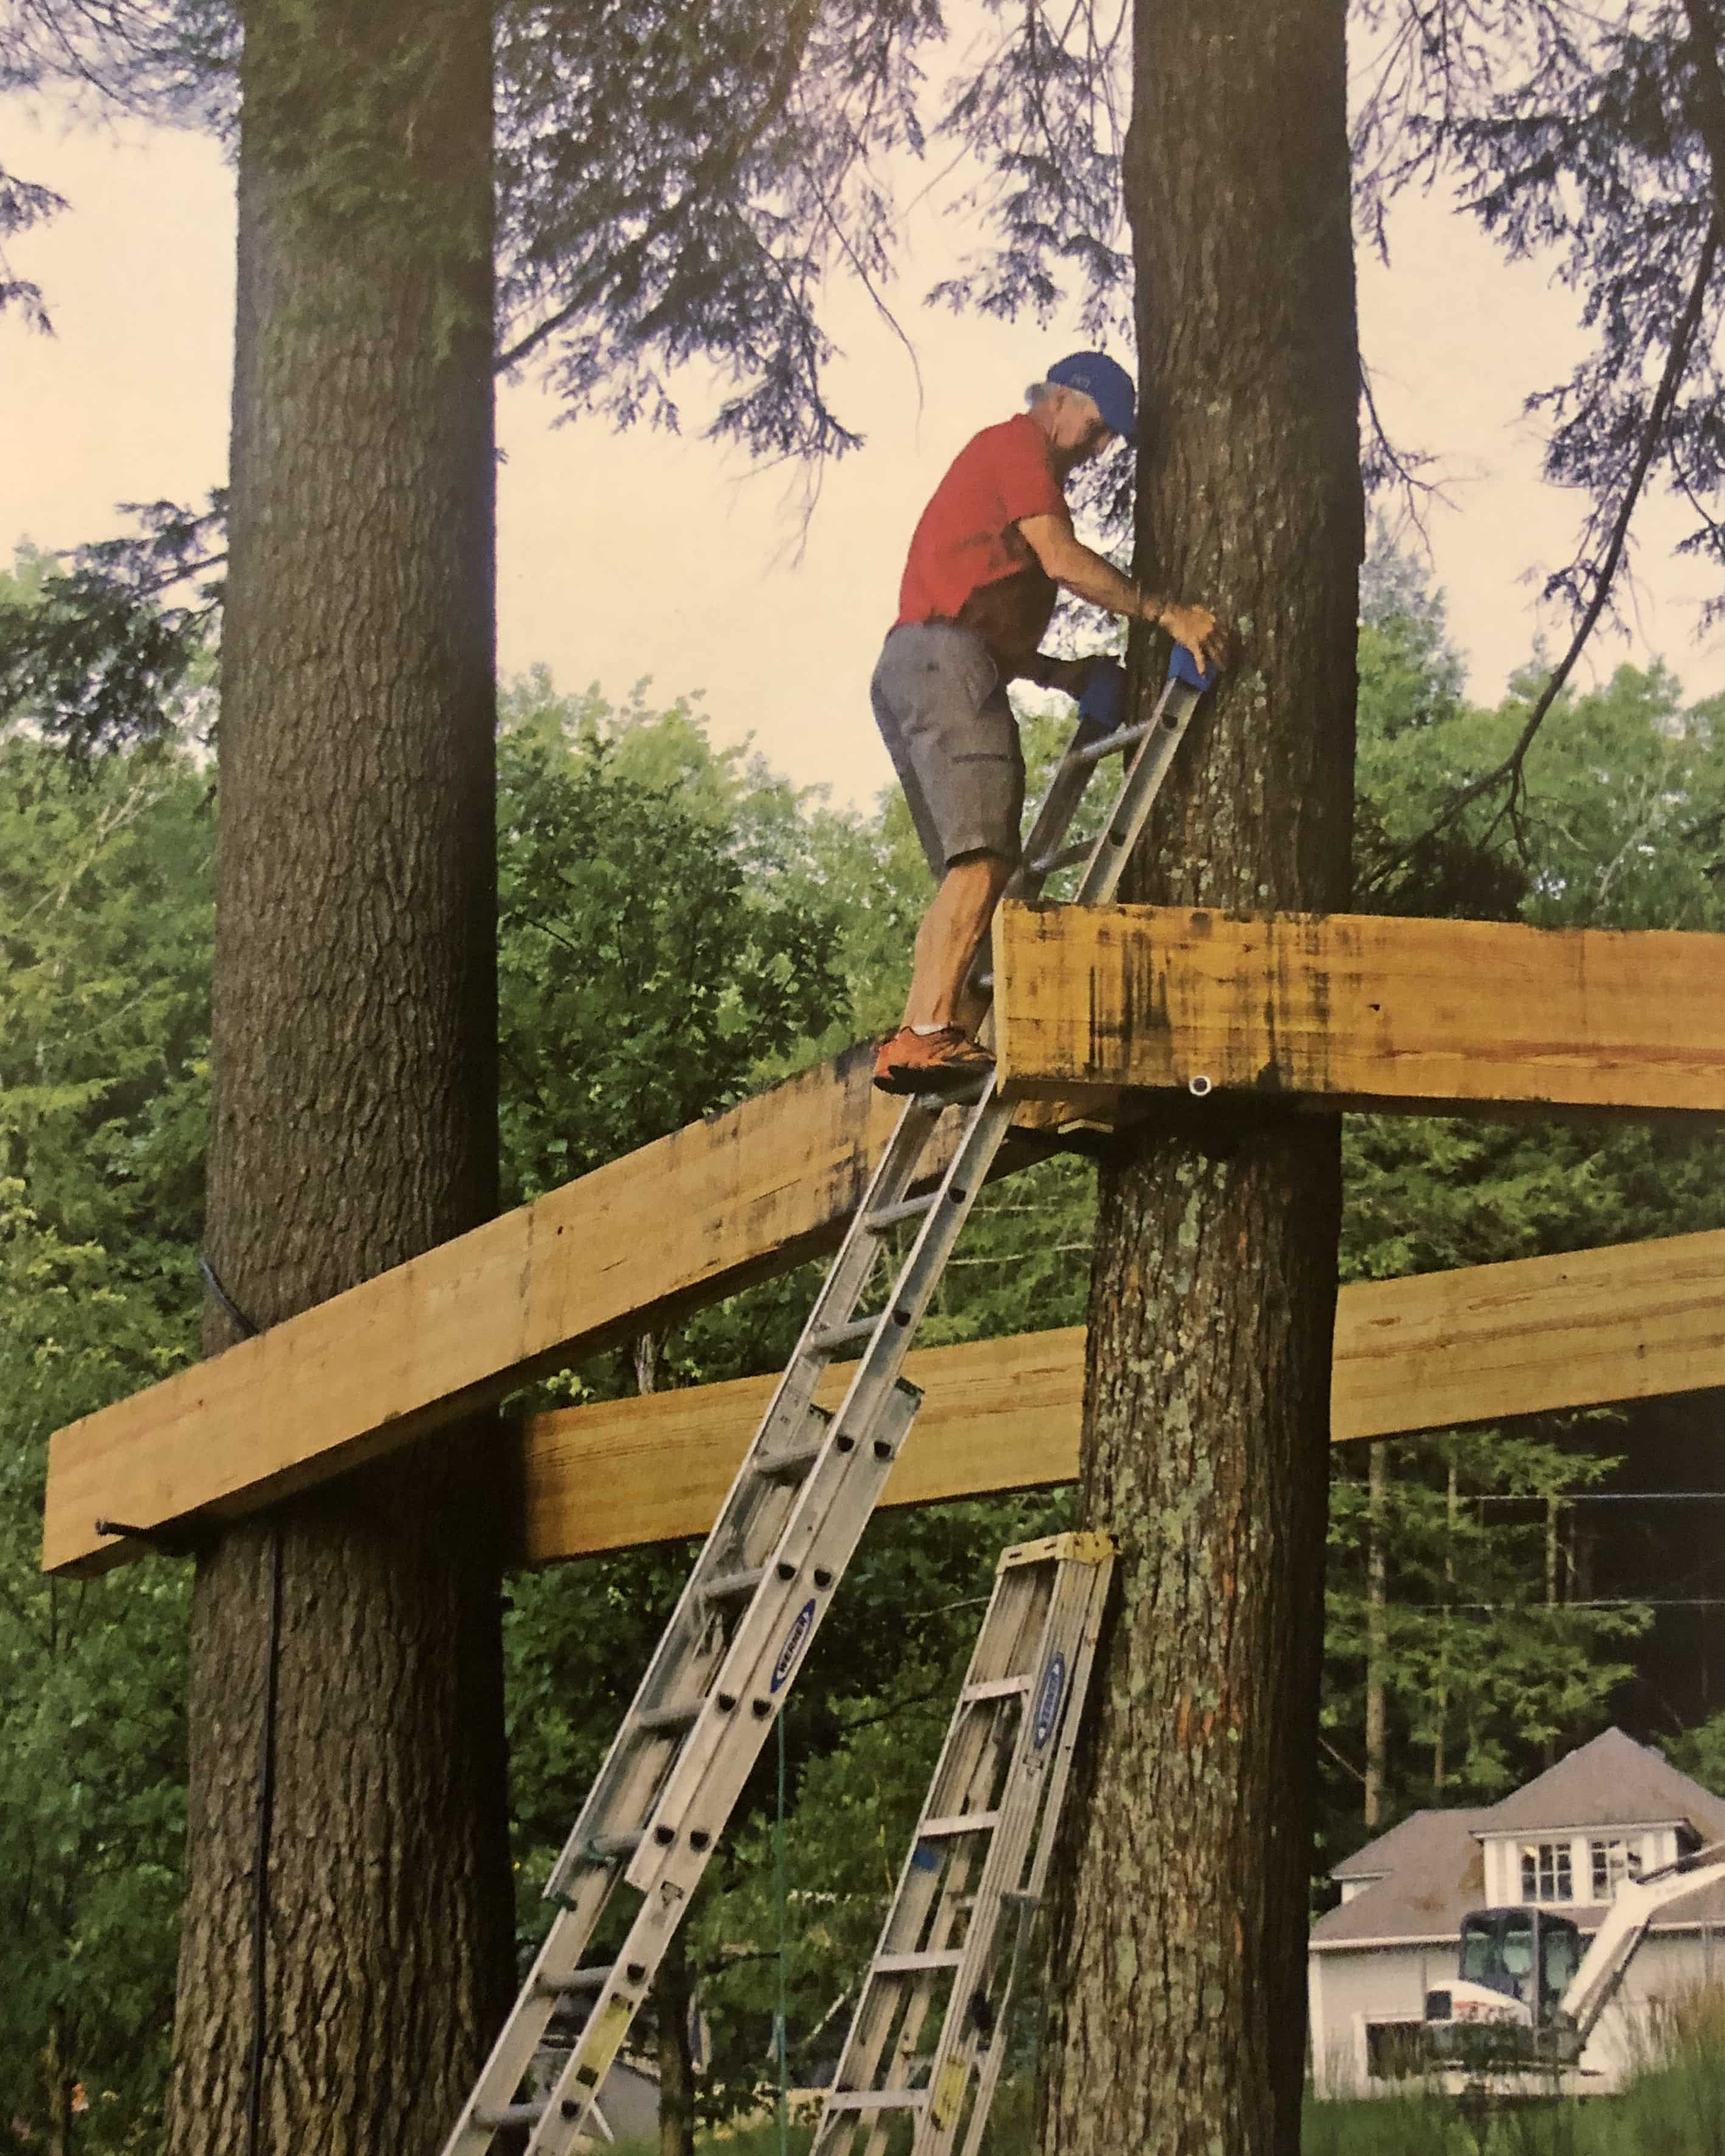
(995, 1688)
(836, 1336)
(909, 1964)
(579, 1980)
(601, 1848)
(878, 2100)
(500, 2115)
(732, 1586)
(660, 1720)
(907, 1209)
(957, 1823)
(1068, 857)
(787, 1466)
(1111, 744)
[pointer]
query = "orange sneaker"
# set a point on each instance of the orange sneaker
(911, 1062)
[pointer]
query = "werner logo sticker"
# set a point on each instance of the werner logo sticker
(1048, 1700)
(801, 1626)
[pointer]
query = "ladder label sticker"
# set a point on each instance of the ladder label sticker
(801, 1626)
(949, 2097)
(1048, 1700)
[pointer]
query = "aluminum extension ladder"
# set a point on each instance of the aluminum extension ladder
(954, 1941)
(766, 1576)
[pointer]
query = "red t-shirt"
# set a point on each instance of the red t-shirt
(968, 535)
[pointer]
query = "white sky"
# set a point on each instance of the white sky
(640, 555)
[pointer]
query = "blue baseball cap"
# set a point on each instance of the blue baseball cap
(1108, 385)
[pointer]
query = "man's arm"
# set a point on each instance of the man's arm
(1070, 562)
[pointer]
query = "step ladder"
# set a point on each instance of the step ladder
(765, 1578)
(953, 1945)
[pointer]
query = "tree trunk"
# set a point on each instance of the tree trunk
(673, 1997)
(1181, 1922)
(1440, 1709)
(354, 1109)
(1377, 1635)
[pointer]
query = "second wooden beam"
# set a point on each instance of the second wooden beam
(1436, 1350)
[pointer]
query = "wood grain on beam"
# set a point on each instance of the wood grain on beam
(643, 1471)
(681, 1223)
(1438, 1350)
(1349, 1010)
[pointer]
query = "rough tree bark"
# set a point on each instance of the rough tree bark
(1377, 1637)
(1180, 1931)
(354, 1114)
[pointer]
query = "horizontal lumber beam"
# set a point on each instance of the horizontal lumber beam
(1352, 1011)
(1436, 1350)
(646, 1239)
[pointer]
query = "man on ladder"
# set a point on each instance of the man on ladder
(987, 559)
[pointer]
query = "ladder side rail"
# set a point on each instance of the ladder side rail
(1023, 1613)
(700, 1813)
(877, 1373)
(770, 1643)
(1029, 1899)
(1149, 768)
(519, 2039)
(791, 1408)
(1057, 807)
(1089, 1631)
(969, 1735)
(677, 1870)
(971, 2045)
(1020, 1806)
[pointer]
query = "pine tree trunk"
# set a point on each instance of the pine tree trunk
(673, 1996)
(1377, 1635)
(1181, 1924)
(354, 1111)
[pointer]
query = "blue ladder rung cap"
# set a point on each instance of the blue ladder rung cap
(1182, 666)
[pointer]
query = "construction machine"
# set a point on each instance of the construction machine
(1526, 1998)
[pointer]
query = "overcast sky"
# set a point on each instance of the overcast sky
(640, 555)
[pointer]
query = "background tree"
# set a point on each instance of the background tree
(346, 1833)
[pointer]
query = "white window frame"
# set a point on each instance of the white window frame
(1611, 1860)
(1547, 1871)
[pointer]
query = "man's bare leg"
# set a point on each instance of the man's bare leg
(949, 939)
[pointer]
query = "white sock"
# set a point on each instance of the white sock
(924, 1031)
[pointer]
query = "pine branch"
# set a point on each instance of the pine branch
(1510, 772)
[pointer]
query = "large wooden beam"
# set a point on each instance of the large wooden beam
(1347, 1010)
(1438, 1350)
(681, 1223)
(1394, 1013)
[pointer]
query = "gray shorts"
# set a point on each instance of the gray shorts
(943, 713)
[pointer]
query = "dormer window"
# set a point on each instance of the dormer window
(1545, 1871)
(1611, 1862)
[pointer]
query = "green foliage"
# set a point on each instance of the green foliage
(114, 642)
(1701, 1753)
(662, 933)
(1486, 1658)
(106, 917)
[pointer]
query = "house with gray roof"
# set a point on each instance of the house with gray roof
(1564, 1840)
